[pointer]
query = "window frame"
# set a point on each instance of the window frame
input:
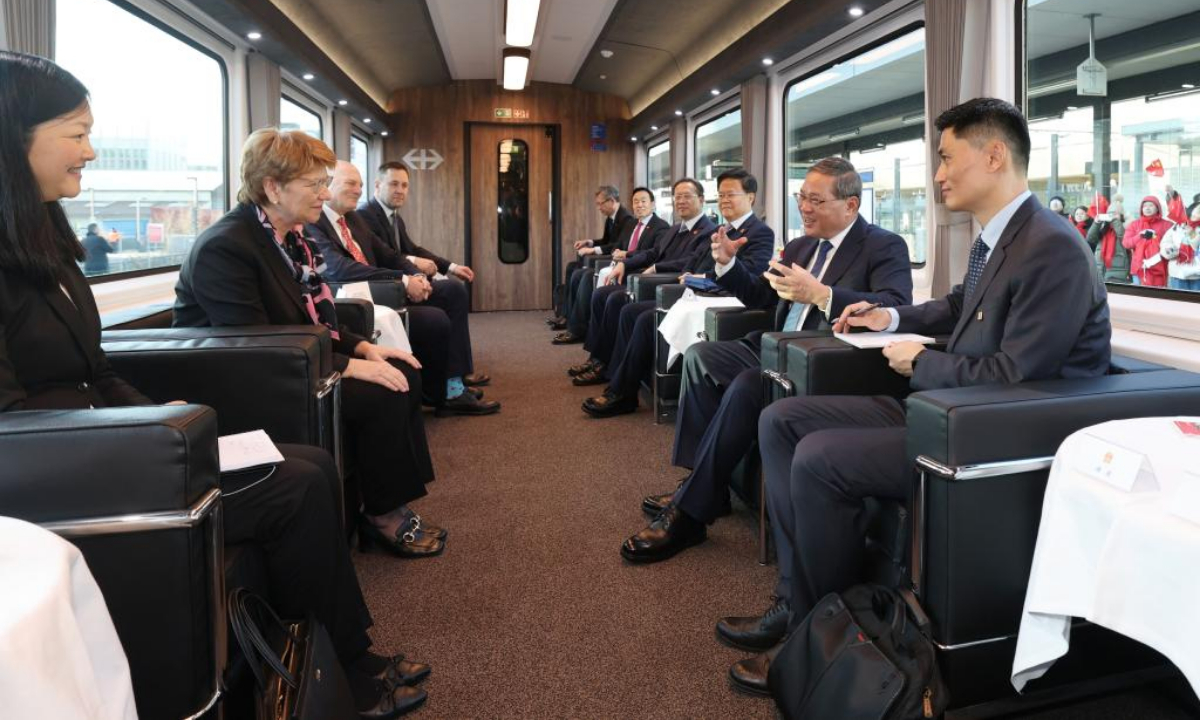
(648, 145)
(357, 133)
(290, 92)
(160, 15)
(835, 51)
(712, 113)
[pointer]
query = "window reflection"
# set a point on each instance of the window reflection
(658, 179)
(718, 148)
(512, 209)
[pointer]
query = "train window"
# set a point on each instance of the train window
(658, 179)
(870, 109)
(512, 206)
(358, 155)
(158, 179)
(294, 116)
(718, 148)
(1102, 151)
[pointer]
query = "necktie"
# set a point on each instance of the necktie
(637, 234)
(355, 251)
(975, 266)
(796, 313)
(396, 231)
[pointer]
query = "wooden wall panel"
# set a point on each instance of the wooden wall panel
(432, 118)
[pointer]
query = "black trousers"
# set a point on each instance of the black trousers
(633, 356)
(579, 295)
(451, 297)
(607, 302)
(722, 395)
(563, 292)
(292, 517)
(822, 455)
(429, 334)
(386, 433)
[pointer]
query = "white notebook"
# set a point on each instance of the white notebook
(247, 450)
(880, 339)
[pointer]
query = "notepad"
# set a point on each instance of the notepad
(247, 450)
(867, 340)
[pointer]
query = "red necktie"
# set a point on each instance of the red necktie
(352, 246)
(637, 233)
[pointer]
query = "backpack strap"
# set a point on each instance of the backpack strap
(914, 607)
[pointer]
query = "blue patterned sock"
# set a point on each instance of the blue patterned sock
(454, 387)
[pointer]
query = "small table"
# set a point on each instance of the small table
(684, 322)
(60, 656)
(1118, 545)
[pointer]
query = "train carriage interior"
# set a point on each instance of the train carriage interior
(599, 359)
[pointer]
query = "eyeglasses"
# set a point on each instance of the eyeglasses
(316, 185)
(685, 196)
(728, 195)
(813, 201)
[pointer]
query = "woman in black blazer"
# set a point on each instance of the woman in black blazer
(50, 358)
(255, 266)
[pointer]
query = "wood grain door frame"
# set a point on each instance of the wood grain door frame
(555, 130)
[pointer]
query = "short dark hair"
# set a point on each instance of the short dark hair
(36, 239)
(743, 176)
(848, 183)
(693, 182)
(986, 118)
(94, 228)
(639, 189)
(393, 165)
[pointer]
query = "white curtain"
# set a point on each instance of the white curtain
(28, 26)
(263, 87)
(754, 135)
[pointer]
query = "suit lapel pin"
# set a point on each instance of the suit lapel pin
(979, 315)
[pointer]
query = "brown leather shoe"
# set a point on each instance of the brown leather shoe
(583, 367)
(749, 676)
(590, 377)
(477, 380)
(610, 405)
(566, 338)
(393, 702)
(405, 544)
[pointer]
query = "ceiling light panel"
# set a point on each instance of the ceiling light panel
(516, 68)
(520, 21)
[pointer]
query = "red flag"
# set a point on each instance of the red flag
(1155, 168)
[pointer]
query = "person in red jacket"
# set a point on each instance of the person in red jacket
(1143, 236)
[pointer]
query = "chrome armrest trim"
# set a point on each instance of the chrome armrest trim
(778, 378)
(984, 470)
(212, 702)
(145, 522)
(328, 383)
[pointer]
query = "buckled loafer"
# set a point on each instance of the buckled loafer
(672, 532)
(477, 380)
(406, 543)
(566, 338)
(756, 634)
(396, 701)
(589, 377)
(610, 405)
(466, 404)
(418, 524)
(749, 676)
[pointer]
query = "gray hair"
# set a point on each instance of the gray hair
(609, 192)
(848, 184)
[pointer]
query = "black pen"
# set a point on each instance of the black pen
(864, 310)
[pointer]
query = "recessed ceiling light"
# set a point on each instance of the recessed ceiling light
(768, 62)
(1187, 86)
(855, 11)
(384, 133)
(679, 113)
(367, 120)
(633, 139)
(516, 68)
(715, 91)
(343, 102)
(254, 35)
(308, 76)
(653, 127)
(606, 54)
(520, 21)
(603, 77)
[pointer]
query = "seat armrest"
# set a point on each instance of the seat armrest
(158, 315)
(642, 286)
(389, 293)
(1123, 364)
(995, 423)
(356, 315)
(824, 365)
(730, 323)
(667, 295)
(79, 464)
(593, 262)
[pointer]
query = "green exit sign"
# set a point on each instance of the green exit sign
(504, 112)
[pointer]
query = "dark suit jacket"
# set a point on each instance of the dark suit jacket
(235, 276)
(383, 262)
(755, 254)
(376, 219)
(614, 227)
(1040, 311)
(871, 264)
(657, 232)
(50, 356)
(683, 251)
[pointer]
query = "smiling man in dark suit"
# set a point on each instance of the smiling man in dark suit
(437, 310)
(1031, 307)
(841, 259)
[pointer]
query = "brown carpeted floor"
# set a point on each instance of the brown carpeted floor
(531, 612)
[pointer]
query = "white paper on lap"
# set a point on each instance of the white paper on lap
(391, 329)
(684, 322)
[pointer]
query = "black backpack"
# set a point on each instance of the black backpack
(864, 654)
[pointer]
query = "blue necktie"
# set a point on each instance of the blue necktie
(978, 261)
(792, 323)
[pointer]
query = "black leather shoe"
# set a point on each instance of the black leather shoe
(396, 701)
(474, 392)
(467, 404)
(395, 670)
(610, 405)
(671, 533)
(757, 634)
(654, 504)
(418, 524)
(749, 676)
(406, 543)
(477, 380)
(558, 324)
(581, 368)
(555, 319)
(566, 338)
(591, 377)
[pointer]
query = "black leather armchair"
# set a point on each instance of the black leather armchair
(642, 287)
(137, 493)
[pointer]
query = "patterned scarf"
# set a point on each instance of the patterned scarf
(306, 264)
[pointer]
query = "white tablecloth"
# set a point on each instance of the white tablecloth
(387, 322)
(1128, 560)
(59, 653)
(685, 320)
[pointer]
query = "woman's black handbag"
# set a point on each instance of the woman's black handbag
(864, 654)
(303, 680)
